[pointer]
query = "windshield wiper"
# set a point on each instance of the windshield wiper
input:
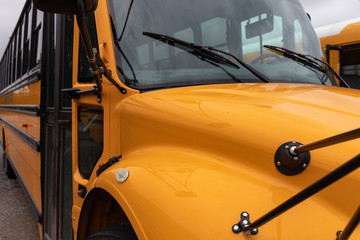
(192, 48)
(204, 52)
(307, 60)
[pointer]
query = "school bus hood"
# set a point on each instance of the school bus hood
(199, 156)
(248, 115)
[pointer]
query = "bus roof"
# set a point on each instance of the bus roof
(334, 29)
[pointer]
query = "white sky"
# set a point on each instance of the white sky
(9, 14)
(322, 12)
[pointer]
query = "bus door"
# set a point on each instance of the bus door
(88, 119)
(346, 61)
(56, 127)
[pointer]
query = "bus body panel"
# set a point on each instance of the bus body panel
(341, 44)
(19, 113)
(27, 163)
(28, 124)
(194, 164)
(28, 94)
(197, 156)
(194, 195)
(345, 33)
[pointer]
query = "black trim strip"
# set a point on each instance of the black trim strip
(33, 110)
(34, 143)
(33, 206)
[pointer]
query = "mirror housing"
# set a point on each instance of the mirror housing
(64, 6)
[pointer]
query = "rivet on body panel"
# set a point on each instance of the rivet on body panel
(122, 175)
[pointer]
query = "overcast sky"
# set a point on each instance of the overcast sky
(322, 12)
(9, 14)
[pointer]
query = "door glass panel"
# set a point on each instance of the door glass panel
(49, 181)
(85, 74)
(350, 65)
(90, 138)
(67, 83)
(66, 220)
(51, 62)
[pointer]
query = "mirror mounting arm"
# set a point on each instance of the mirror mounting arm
(106, 72)
(80, 18)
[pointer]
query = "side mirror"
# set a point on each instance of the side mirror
(64, 6)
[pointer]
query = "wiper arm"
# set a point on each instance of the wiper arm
(298, 57)
(258, 74)
(192, 48)
(205, 52)
(307, 60)
(332, 70)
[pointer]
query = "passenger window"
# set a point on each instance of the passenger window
(161, 51)
(36, 42)
(27, 34)
(143, 56)
(90, 138)
(253, 45)
(298, 37)
(214, 32)
(84, 69)
(274, 37)
(185, 35)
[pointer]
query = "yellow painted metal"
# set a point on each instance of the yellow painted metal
(29, 94)
(199, 156)
(349, 35)
(26, 123)
(334, 60)
(110, 99)
(25, 158)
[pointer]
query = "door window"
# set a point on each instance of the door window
(90, 138)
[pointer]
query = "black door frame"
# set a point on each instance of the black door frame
(55, 117)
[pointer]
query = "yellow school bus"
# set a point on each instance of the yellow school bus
(167, 119)
(341, 44)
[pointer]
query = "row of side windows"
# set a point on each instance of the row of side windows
(23, 53)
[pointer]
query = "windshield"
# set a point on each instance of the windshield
(238, 27)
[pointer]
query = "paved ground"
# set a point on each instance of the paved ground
(17, 220)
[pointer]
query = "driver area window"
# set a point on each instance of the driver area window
(90, 138)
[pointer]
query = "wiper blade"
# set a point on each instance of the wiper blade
(258, 74)
(192, 48)
(298, 57)
(307, 60)
(206, 52)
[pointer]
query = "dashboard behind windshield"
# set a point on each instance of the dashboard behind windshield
(238, 27)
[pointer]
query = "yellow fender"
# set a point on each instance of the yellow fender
(175, 193)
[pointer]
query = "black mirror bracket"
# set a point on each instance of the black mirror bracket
(106, 72)
(244, 224)
(80, 17)
(75, 93)
(92, 53)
